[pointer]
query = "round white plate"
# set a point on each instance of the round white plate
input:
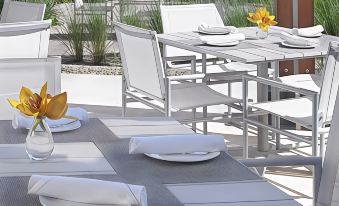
(312, 36)
(298, 46)
(198, 157)
(66, 127)
(233, 43)
(214, 33)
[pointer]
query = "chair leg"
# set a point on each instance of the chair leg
(277, 135)
(205, 122)
(322, 145)
(194, 124)
(124, 103)
(245, 143)
(230, 95)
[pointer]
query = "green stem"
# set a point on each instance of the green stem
(37, 122)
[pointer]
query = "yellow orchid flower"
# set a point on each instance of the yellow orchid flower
(262, 18)
(41, 105)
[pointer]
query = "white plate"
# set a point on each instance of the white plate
(214, 33)
(198, 157)
(233, 43)
(311, 36)
(298, 46)
(66, 127)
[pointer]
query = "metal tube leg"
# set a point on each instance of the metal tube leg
(194, 124)
(229, 109)
(245, 115)
(168, 98)
(277, 135)
(124, 104)
(322, 145)
(315, 125)
(204, 113)
(263, 144)
(245, 144)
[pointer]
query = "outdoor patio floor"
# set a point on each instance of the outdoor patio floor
(101, 96)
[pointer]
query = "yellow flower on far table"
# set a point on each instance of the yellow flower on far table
(41, 105)
(262, 18)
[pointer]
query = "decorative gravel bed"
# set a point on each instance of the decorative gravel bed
(108, 70)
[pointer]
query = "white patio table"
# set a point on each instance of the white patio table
(251, 51)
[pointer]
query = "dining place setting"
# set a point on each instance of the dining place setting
(228, 36)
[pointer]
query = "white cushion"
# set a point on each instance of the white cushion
(305, 81)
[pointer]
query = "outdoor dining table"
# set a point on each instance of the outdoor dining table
(167, 183)
(262, 52)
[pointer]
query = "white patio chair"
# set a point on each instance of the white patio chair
(144, 79)
(187, 18)
(313, 111)
(32, 73)
(25, 40)
(326, 174)
(16, 11)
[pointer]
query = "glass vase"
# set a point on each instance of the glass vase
(261, 34)
(39, 140)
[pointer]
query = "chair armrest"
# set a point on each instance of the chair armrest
(180, 58)
(279, 85)
(283, 161)
(236, 75)
(291, 161)
(186, 77)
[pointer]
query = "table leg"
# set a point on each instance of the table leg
(263, 144)
(204, 70)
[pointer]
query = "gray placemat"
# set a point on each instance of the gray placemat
(132, 169)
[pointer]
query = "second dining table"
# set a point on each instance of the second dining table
(264, 53)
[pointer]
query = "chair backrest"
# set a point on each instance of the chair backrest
(33, 73)
(187, 18)
(328, 194)
(141, 60)
(16, 11)
(329, 88)
(25, 40)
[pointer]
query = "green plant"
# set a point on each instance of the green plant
(74, 36)
(327, 14)
(154, 18)
(97, 38)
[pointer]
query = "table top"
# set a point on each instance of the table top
(155, 175)
(252, 50)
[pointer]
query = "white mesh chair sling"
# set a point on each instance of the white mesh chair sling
(313, 111)
(16, 11)
(326, 175)
(144, 76)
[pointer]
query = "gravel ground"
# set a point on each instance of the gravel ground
(109, 70)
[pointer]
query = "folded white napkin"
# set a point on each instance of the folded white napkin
(20, 121)
(296, 40)
(177, 144)
(217, 29)
(309, 31)
(87, 191)
(223, 38)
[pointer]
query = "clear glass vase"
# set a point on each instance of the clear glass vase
(261, 34)
(39, 140)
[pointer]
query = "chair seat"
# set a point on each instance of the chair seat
(305, 81)
(190, 95)
(298, 110)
